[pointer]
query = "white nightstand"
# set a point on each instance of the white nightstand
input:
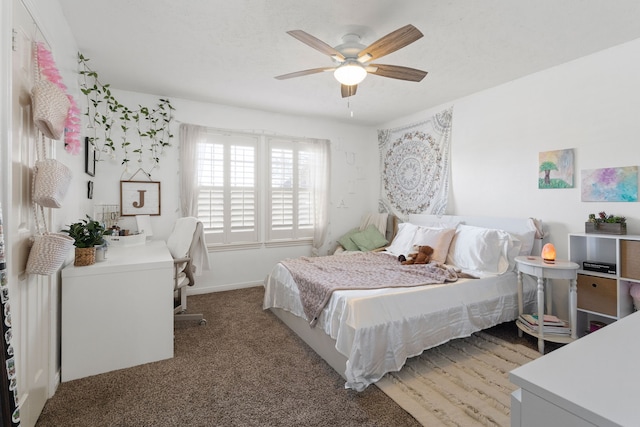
(535, 266)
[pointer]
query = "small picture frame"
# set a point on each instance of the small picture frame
(89, 157)
(90, 190)
(139, 198)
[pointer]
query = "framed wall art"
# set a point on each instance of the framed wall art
(555, 169)
(89, 157)
(139, 198)
(619, 184)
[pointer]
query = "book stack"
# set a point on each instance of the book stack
(551, 324)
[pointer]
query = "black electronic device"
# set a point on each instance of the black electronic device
(599, 267)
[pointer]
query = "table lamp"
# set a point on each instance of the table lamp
(549, 253)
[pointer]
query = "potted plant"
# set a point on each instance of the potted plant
(87, 234)
(606, 224)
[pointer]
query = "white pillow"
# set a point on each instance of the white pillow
(527, 240)
(438, 238)
(438, 223)
(483, 249)
(527, 237)
(402, 243)
(510, 250)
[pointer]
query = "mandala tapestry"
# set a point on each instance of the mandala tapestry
(415, 166)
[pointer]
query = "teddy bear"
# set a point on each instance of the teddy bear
(420, 255)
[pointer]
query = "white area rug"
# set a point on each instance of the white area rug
(464, 382)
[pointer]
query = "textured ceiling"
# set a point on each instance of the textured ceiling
(228, 51)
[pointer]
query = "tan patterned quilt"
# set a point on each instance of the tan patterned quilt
(318, 277)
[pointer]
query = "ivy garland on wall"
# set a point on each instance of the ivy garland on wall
(118, 132)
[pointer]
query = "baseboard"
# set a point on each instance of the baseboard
(55, 382)
(197, 290)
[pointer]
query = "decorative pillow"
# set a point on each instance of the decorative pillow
(510, 250)
(438, 238)
(483, 249)
(369, 239)
(526, 241)
(527, 238)
(346, 242)
(402, 243)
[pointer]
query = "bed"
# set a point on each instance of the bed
(365, 333)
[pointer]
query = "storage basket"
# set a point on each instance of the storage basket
(50, 108)
(48, 252)
(52, 180)
(85, 256)
(130, 240)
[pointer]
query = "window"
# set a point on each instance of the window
(291, 214)
(255, 188)
(227, 184)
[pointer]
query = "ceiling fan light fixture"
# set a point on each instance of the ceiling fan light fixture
(350, 74)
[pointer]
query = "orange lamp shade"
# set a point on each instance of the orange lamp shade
(549, 253)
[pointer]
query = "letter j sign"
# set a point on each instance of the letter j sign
(139, 198)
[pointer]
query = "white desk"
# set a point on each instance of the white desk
(117, 313)
(535, 266)
(590, 382)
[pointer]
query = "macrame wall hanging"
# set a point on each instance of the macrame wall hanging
(415, 167)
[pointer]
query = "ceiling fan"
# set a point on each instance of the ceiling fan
(353, 60)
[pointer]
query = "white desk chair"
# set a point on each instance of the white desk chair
(184, 240)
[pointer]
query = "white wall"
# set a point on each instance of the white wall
(232, 269)
(64, 49)
(590, 104)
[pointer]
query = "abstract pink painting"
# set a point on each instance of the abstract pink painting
(610, 184)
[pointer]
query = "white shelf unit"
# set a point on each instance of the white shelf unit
(604, 297)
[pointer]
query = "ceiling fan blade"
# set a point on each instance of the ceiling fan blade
(390, 43)
(397, 72)
(304, 73)
(348, 91)
(317, 44)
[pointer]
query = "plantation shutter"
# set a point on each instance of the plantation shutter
(227, 182)
(290, 214)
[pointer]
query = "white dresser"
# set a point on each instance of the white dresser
(592, 381)
(117, 313)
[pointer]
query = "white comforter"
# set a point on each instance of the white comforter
(377, 330)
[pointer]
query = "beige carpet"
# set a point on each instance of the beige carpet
(246, 368)
(462, 383)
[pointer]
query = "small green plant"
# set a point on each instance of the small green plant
(602, 217)
(87, 233)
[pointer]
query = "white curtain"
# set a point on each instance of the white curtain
(321, 179)
(189, 136)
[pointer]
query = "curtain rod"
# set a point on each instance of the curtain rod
(263, 132)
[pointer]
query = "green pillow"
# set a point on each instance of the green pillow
(346, 242)
(369, 239)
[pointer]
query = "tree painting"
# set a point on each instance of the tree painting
(555, 169)
(547, 167)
